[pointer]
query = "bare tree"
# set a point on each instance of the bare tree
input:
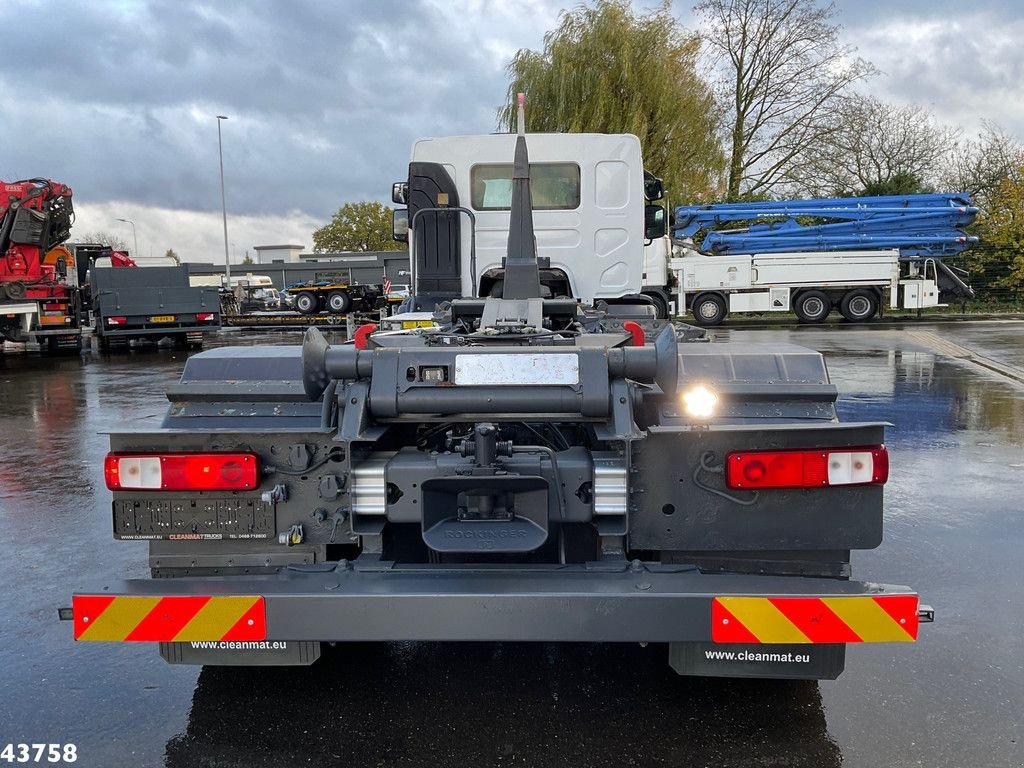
(783, 70)
(98, 237)
(978, 166)
(872, 147)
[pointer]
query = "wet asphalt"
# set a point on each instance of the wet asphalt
(954, 531)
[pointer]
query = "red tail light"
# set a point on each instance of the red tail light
(807, 469)
(181, 471)
(117, 320)
(204, 317)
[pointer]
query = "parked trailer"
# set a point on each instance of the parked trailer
(151, 303)
(334, 297)
(523, 468)
(869, 254)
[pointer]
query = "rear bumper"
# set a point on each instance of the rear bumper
(645, 603)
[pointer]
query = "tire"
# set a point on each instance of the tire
(708, 309)
(812, 306)
(15, 290)
(339, 302)
(660, 305)
(859, 306)
(307, 303)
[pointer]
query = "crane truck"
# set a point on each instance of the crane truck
(529, 467)
(810, 256)
(39, 302)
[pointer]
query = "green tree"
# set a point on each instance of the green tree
(783, 70)
(605, 69)
(998, 263)
(248, 259)
(364, 226)
(173, 256)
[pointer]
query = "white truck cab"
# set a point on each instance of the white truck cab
(589, 200)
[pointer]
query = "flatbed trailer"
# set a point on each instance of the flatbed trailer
(283, 320)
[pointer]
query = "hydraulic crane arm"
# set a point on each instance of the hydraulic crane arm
(917, 225)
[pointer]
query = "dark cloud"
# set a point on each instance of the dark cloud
(118, 98)
(324, 98)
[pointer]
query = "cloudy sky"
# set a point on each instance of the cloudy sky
(117, 97)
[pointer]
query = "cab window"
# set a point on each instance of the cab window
(553, 186)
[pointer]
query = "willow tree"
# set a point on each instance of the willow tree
(605, 69)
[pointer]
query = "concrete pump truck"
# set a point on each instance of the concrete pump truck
(529, 467)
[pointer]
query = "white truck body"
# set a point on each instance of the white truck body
(769, 282)
(596, 239)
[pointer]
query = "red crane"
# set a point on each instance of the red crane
(35, 216)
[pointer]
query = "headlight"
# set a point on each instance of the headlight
(700, 402)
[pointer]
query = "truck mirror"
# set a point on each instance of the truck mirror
(400, 192)
(654, 188)
(400, 225)
(654, 222)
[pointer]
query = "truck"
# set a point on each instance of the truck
(600, 234)
(526, 468)
(150, 303)
(39, 300)
(809, 256)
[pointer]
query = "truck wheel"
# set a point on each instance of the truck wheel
(306, 303)
(15, 290)
(708, 309)
(339, 302)
(812, 306)
(660, 305)
(859, 306)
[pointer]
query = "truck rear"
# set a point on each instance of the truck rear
(526, 468)
(150, 303)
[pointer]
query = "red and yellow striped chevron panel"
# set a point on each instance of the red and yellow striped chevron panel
(166, 619)
(845, 619)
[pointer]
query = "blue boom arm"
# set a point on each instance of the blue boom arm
(917, 225)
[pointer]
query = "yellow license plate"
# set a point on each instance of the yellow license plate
(410, 324)
(162, 319)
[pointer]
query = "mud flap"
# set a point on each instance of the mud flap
(267, 653)
(789, 662)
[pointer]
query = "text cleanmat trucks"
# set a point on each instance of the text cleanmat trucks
(526, 468)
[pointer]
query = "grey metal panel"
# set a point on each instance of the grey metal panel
(144, 292)
(673, 511)
(234, 364)
(570, 603)
(753, 363)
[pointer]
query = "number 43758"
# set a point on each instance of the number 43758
(39, 753)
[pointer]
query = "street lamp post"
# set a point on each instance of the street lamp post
(135, 239)
(223, 203)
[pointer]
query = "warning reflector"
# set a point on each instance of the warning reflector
(844, 619)
(169, 619)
